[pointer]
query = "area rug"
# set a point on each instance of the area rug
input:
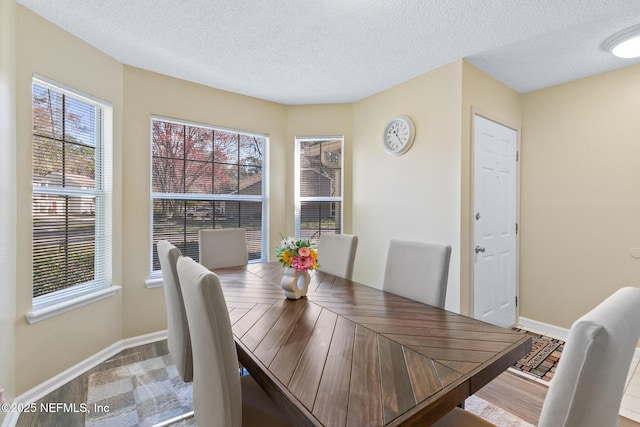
(493, 413)
(145, 393)
(139, 394)
(543, 359)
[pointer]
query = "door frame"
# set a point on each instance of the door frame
(472, 188)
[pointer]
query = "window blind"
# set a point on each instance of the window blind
(71, 193)
(318, 186)
(206, 177)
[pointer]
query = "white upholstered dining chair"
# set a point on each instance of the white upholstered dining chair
(220, 396)
(418, 271)
(224, 247)
(336, 253)
(588, 385)
(178, 338)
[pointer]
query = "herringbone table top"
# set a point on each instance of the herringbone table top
(352, 355)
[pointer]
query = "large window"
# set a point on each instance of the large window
(71, 196)
(318, 186)
(206, 177)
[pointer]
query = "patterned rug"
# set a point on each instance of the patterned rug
(145, 393)
(543, 359)
(493, 413)
(139, 394)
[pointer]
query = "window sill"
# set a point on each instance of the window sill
(153, 282)
(155, 279)
(62, 307)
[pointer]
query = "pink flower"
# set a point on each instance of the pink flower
(304, 251)
(301, 263)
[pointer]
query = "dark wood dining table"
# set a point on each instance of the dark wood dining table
(348, 354)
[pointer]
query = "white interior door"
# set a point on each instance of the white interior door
(495, 198)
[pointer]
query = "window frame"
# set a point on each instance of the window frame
(298, 199)
(101, 286)
(155, 276)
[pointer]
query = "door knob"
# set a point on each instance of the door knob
(479, 249)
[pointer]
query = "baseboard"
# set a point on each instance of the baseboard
(553, 331)
(41, 390)
(544, 328)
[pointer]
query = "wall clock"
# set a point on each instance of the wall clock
(398, 135)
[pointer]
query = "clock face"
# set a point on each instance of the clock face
(398, 135)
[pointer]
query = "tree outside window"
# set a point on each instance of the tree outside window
(318, 186)
(205, 177)
(71, 193)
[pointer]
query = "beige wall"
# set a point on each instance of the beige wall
(135, 94)
(148, 94)
(7, 200)
(415, 196)
(320, 120)
(425, 194)
(578, 214)
(484, 95)
(580, 210)
(46, 348)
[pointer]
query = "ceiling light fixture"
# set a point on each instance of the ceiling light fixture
(625, 44)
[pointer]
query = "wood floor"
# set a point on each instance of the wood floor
(75, 391)
(514, 393)
(523, 397)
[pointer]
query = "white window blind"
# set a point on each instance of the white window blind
(71, 193)
(206, 177)
(318, 186)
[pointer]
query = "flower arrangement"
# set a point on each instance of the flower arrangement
(297, 253)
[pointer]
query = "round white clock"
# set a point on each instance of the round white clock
(398, 135)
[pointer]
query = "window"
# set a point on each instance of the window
(318, 186)
(206, 177)
(71, 197)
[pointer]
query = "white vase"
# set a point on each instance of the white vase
(295, 283)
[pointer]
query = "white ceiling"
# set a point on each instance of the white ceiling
(334, 51)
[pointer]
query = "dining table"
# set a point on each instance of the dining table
(348, 354)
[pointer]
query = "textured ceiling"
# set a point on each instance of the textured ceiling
(333, 51)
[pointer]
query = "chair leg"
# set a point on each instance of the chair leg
(174, 419)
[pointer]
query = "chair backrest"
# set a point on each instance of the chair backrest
(217, 395)
(336, 253)
(588, 385)
(179, 340)
(225, 247)
(418, 271)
